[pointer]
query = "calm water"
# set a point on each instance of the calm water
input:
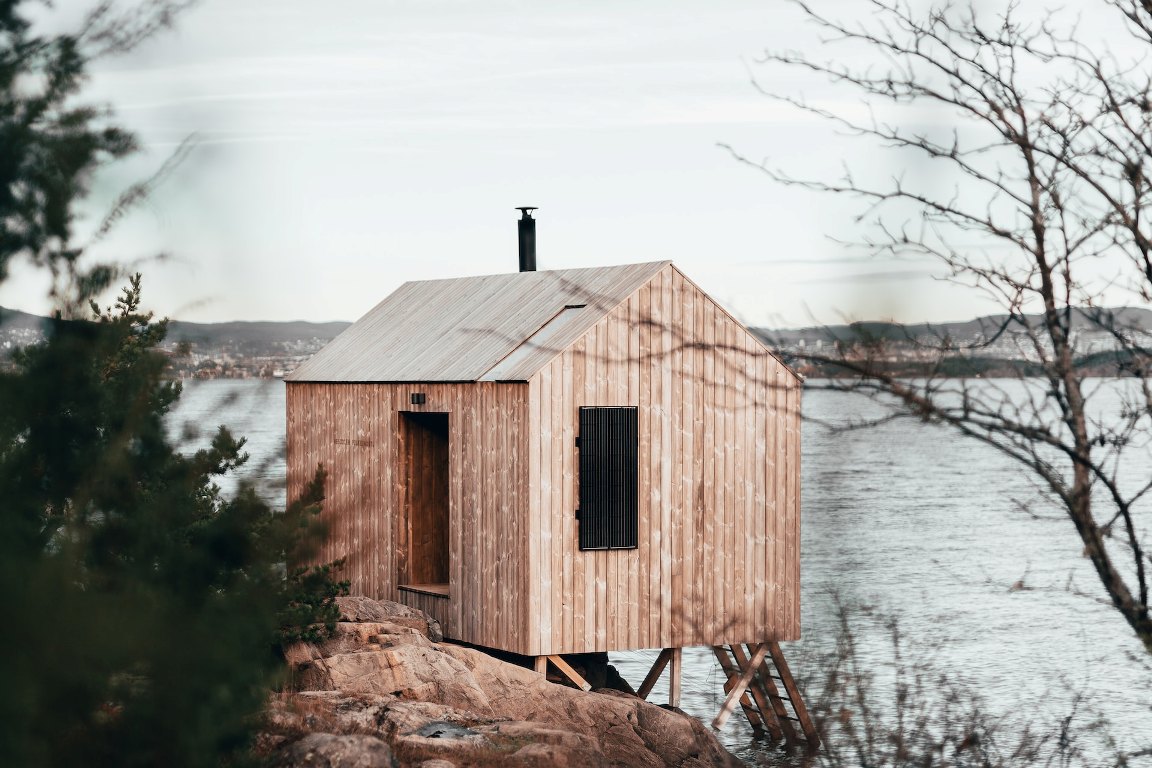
(905, 517)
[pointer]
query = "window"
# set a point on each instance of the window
(608, 469)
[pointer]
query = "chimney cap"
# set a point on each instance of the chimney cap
(526, 211)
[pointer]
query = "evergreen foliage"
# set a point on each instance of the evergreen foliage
(143, 608)
(51, 146)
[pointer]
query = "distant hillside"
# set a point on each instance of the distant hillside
(1131, 318)
(239, 337)
(990, 347)
(261, 337)
(255, 338)
(996, 345)
(15, 320)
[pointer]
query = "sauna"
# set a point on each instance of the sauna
(562, 462)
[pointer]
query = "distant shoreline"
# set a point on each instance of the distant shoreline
(273, 349)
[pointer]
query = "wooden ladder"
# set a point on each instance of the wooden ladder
(760, 681)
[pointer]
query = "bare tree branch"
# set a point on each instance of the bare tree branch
(1050, 156)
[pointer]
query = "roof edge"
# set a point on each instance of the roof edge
(795, 374)
(664, 264)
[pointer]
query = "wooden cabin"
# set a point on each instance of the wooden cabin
(561, 462)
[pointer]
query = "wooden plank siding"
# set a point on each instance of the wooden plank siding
(718, 482)
(719, 528)
(353, 430)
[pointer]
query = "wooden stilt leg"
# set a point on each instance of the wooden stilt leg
(674, 679)
(654, 673)
(757, 670)
(540, 664)
(732, 671)
(570, 673)
(771, 712)
(810, 733)
(740, 686)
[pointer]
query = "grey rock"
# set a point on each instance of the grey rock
(442, 730)
(327, 750)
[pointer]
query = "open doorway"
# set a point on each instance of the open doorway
(425, 452)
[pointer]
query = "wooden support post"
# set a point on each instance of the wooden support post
(810, 733)
(570, 673)
(732, 672)
(777, 708)
(674, 678)
(771, 713)
(540, 664)
(654, 673)
(740, 686)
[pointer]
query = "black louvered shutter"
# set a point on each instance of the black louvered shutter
(608, 478)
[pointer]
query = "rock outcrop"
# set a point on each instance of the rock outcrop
(384, 691)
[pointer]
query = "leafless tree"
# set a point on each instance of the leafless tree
(1049, 162)
(890, 703)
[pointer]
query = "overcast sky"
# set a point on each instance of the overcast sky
(346, 147)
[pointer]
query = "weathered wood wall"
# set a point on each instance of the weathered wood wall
(353, 430)
(719, 520)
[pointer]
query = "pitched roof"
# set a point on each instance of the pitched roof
(488, 328)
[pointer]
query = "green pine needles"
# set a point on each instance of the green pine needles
(143, 608)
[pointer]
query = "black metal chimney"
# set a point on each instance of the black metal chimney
(527, 228)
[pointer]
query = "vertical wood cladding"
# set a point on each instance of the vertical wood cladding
(354, 431)
(717, 487)
(719, 494)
